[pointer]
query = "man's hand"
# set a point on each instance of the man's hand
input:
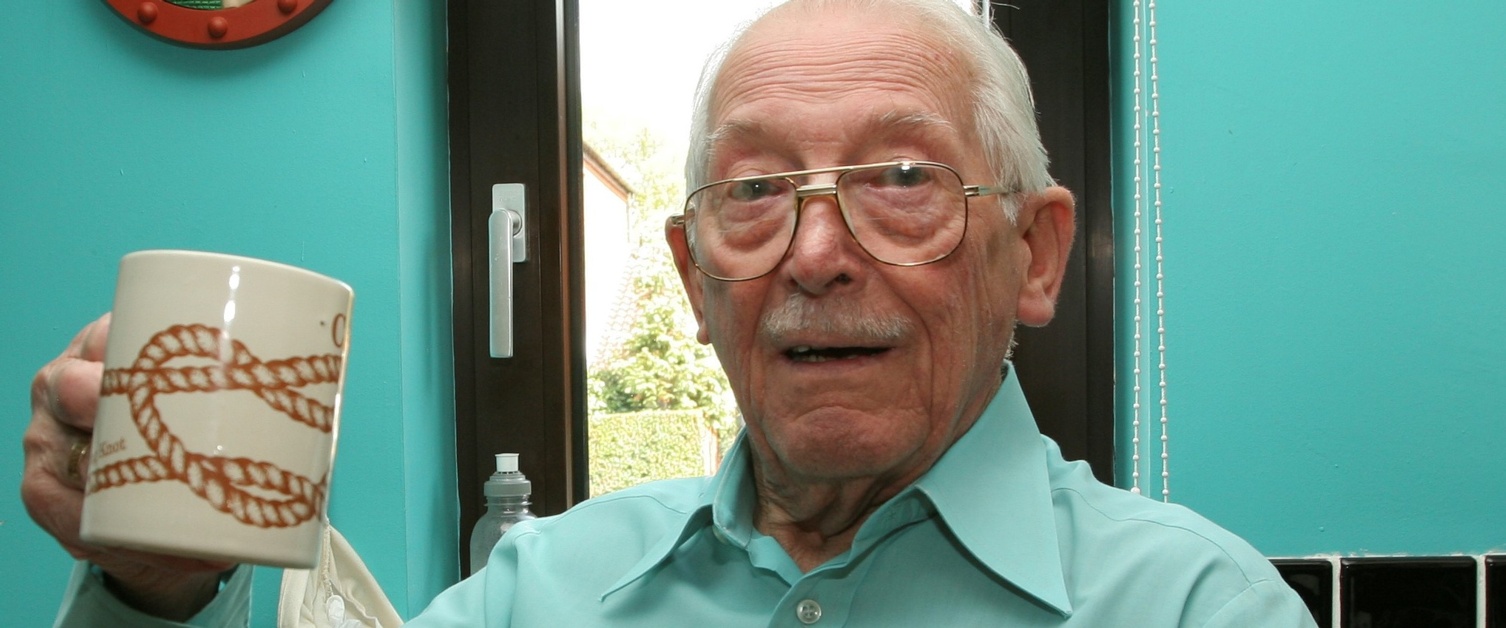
(64, 397)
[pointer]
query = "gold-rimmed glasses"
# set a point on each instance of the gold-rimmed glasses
(902, 213)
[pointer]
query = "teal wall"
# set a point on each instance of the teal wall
(1334, 268)
(323, 149)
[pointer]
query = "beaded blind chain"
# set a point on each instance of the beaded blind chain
(1145, 47)
(1155, 121)
(1139, 284)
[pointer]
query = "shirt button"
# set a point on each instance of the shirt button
(808, 611)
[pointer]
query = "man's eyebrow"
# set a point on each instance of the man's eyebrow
(734, 128)
(906, 122)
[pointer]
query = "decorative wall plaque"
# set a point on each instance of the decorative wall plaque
(218, 23)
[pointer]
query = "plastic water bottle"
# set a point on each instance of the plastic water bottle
(506, 504)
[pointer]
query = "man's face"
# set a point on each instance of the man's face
(845, 367)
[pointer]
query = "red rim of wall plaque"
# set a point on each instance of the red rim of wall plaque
(257, 22)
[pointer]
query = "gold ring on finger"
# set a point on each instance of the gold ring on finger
(76, 455)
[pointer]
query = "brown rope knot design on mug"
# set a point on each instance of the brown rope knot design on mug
(221, 481)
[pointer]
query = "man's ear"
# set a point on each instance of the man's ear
(1045, 226)
(689, 276)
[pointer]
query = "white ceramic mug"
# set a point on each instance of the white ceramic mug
(219, 409)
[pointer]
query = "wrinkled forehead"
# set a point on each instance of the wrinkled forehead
(815, 56)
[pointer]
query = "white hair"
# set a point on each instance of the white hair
(1003, 108)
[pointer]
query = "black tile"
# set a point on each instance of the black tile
(1313, 580)
(1495, 591)
(1408, 592)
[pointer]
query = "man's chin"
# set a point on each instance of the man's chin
(831, 454)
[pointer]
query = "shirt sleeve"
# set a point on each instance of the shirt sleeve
(485, 598)
(461, 605)
(1265, 603)
(88, 603)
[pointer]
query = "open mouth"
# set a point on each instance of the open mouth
(806, 353)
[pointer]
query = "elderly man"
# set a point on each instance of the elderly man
(870, 217)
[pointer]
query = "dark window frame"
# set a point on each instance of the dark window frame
(515, 118)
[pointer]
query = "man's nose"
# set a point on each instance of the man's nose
(823, 254)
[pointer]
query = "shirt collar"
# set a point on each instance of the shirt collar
(993, 491)
(991, 488)
(726, 504)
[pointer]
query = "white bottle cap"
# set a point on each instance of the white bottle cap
(507, 463)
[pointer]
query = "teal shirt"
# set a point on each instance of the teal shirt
(1000, 532)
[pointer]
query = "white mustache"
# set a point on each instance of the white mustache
(846, 321)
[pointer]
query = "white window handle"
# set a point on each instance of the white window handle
(508, 245)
